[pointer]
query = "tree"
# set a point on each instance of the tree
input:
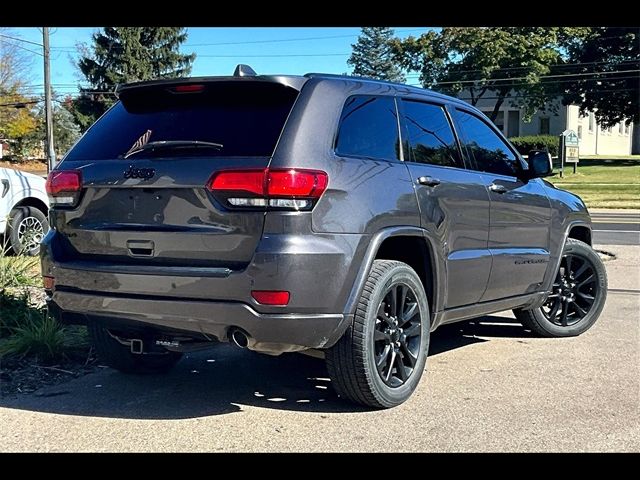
(15, 63)
(65, 130)
(372, 56)
(17, 121)
(127, 54)
(595, 59)
(496, 63)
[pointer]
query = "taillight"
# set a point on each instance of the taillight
(64, 187)
(288, 188)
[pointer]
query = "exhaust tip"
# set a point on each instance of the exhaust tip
(239, 338)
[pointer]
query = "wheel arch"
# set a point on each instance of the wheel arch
(580, 231)
(35, 203)
(411, 245)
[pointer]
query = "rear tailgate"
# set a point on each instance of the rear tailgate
(151, 206)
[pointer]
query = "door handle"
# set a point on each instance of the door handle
(5, 187)
(494, 187)
(428, 181)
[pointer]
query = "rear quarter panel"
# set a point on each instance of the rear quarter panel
(364, 195)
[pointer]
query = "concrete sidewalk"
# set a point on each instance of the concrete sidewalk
(628, 211)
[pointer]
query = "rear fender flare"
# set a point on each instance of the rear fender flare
(370, 255)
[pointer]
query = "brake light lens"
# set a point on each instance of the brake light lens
(290, 188)
(64, 187)
(271, 297)
(250, 181)
(296, 183)
(193, 88)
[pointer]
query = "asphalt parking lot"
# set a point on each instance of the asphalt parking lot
(489, 386)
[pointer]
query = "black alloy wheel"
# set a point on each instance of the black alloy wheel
(380, 358)
(573, 293)
(576, 298)
(397, 335)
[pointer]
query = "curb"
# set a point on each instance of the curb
(605, 255)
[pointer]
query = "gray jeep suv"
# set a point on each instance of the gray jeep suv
(317, 212)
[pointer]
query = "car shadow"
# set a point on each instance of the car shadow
(224, 379)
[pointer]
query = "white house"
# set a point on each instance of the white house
(594, 140)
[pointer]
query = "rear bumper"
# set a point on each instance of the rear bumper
(274, 333)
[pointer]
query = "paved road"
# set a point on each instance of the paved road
(489, 386)
(616, 227)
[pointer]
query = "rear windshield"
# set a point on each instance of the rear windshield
(245, 118)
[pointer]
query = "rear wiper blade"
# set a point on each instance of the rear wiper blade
(174, 144)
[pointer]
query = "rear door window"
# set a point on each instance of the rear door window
(369, 128)
(429, 133)
(246, 118)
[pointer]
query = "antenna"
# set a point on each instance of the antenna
(243, 70)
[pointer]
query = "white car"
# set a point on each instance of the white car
(24, 207)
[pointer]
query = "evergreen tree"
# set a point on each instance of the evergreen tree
(127, 54)
(372, 56)
(65, 129)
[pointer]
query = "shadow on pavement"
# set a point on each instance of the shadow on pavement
(222, 379)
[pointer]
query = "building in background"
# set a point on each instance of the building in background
(594, 140)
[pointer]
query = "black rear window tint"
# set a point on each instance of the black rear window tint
(245, 117)
(369, 128)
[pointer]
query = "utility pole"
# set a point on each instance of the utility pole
(48, 110)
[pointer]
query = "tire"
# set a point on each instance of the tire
(27, 227)
(351, 362)
(119, 356)
(539, 320)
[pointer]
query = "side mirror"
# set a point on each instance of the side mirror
(540, 164)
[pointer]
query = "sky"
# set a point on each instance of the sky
(268, 50)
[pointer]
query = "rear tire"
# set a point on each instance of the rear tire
(584, 302)
(377, 362)
(27, 228)
(119, 356)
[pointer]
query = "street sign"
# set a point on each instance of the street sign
(571, 138)
(571, 154)
(569, 150)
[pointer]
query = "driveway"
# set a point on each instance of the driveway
(489, 386)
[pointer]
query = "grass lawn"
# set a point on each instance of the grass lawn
(604, 183)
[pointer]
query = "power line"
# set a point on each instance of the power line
(497, 82)
(596, 76)
(287, 39)
(542, 76)
(278, 40)
(552, 65)
(20, 46)
(13, 104)
(20, 39)
(515, 97)
(552, 82)
(278, 55)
